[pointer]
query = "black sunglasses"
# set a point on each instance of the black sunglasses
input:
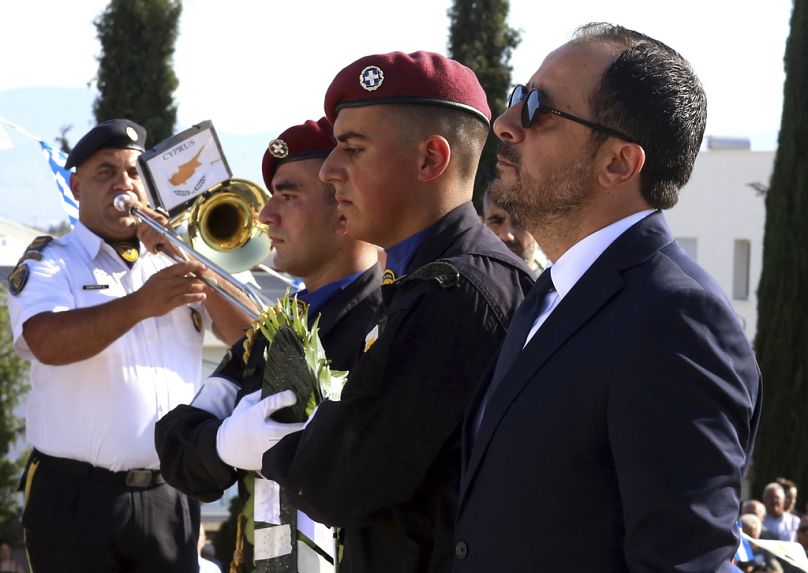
(533, 106)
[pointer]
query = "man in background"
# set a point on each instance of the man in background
(515, 237)
(777, 519)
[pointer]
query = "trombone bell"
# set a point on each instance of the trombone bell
(223, 225)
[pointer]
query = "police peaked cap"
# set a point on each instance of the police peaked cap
(110, 134)
(310, 139)
(420, 78)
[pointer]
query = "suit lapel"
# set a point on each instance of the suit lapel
(591, 293)
(580, 304)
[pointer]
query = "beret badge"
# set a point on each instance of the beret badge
(130, 131)
(371, 78)
(278, 148)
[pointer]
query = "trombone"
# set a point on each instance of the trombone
(223, 220)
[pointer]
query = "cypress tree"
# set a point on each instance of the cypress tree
(480, 38)
(136, 79)
(782, 338)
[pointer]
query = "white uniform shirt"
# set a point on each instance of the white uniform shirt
(103, 410)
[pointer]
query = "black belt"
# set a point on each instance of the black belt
(131, 478)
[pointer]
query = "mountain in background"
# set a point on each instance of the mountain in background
(28, 193)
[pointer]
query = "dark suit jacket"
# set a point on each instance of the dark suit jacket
(617, 439)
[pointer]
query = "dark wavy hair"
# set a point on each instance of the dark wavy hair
(651, 93)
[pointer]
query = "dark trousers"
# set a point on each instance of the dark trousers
(82, 519)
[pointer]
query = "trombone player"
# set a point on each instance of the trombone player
(114, 335)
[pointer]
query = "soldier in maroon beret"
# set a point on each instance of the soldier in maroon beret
(384, 462)
(204, 447)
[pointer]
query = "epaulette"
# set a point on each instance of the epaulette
(19, 276)
(443, 272)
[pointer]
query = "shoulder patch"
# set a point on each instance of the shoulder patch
(33, 252)
(18, 278)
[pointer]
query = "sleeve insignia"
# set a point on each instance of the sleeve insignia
(18, 278)
(371, 338)
(33, 252)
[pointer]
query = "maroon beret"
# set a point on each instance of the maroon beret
(311, 139)
(420, 77)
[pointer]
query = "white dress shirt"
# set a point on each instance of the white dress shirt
(102, 410)
(572, 265)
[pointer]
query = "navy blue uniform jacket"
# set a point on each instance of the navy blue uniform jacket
(384, 462)
(617, 439)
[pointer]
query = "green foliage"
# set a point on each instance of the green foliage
(480, 38)
(136, 79)
(13, 387)
(782, 338)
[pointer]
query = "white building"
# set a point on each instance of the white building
(720, 219)
(14, 237)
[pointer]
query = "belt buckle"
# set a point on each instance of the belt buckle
(139, 478)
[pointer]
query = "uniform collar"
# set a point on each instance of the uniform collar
(93, 244)
(317, 299)
(400, 254)
(438, 238)
(89, 240)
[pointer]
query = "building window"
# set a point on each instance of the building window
(740, 270)
(691, 247)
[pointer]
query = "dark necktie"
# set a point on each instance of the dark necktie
(518, 330)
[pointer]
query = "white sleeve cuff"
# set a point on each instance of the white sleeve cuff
(217, 396)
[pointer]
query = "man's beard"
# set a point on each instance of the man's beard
(532, 203)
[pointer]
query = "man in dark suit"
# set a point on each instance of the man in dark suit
(613, 430)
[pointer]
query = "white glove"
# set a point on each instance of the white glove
(249, 431)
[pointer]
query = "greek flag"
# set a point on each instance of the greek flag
(56, 160)
(744, 553)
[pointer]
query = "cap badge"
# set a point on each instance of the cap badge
(371, 78)
(130, 131)
(278, 148)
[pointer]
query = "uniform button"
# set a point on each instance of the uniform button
(461, 549)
